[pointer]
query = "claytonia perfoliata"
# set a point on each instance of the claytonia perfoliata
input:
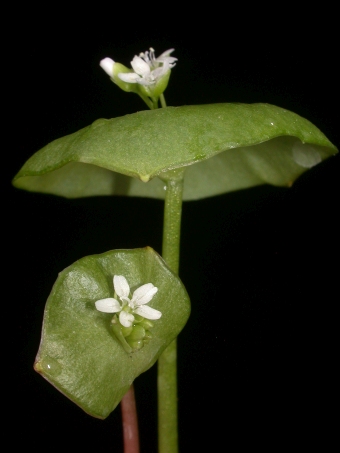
(148, 69)
(148, 78)
(128, 308)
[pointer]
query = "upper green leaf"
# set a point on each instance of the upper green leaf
(80, 353)
(233, 146)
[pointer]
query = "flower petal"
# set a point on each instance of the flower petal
(159, 72)
(129, 77)
(139, 292)
(107, 64)
(145, 82)
(147, 312)
(140, 66)
(165, 54)
(126, 319)
(121, 286)
(164, 57)
(170, 60)
(143, 294)
(108, 305)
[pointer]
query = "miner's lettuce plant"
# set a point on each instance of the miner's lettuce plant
(110, 317)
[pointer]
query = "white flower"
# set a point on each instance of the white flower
(148, 69)
(128, 307)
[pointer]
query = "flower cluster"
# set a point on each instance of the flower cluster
(148, 69)
(128, 308)
(149, 75)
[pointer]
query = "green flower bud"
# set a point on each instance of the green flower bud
(136, 345)
(126, 330)
(138, 333)
(146, 323)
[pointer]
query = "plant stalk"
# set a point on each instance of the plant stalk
(167, 362)
(130, 422)
(162, 99)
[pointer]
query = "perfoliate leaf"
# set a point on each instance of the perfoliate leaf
(225, 147)
(79, 353)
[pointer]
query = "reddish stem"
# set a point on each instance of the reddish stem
(130, 422)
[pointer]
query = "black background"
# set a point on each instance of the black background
(260, 265)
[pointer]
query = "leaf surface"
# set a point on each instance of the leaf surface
(79, 354)
(224, 147)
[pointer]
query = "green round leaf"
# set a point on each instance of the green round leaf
(79, 353)
(233, 146)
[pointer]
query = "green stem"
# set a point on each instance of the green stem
(147, 101)
(167, 362)
(162, 98)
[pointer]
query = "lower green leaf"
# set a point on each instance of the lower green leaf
(80, 353)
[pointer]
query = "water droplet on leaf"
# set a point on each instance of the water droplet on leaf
(48, 366)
